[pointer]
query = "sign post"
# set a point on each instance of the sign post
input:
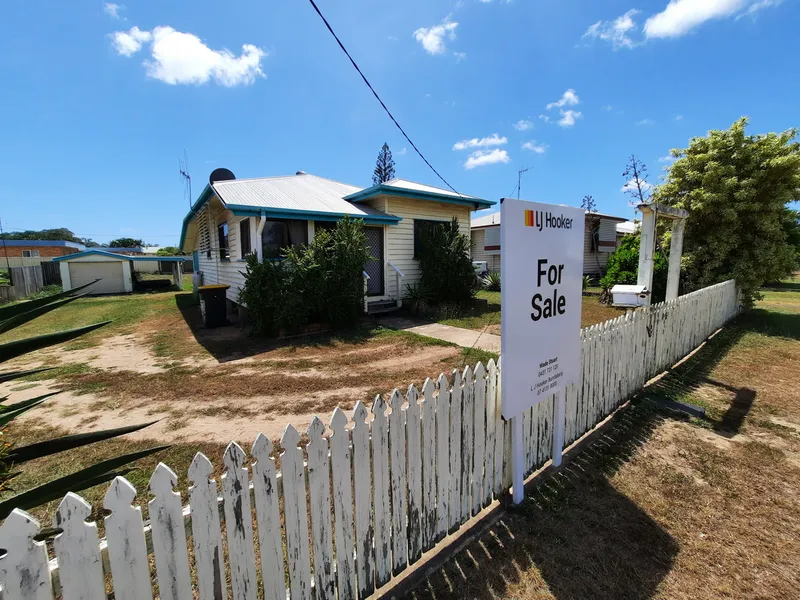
(541, 249)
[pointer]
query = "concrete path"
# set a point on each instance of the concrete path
(468, 338)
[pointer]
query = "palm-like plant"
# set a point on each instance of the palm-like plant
(11, 457)
(492, 282)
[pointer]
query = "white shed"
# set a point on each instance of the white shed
(115, 271)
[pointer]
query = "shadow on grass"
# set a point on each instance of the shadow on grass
(575, 535)
(234, 342)
(783, 286)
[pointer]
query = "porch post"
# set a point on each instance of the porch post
(675, 252)
(647, 248)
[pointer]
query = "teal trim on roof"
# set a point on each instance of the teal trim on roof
(310, 215)
(390, 190)
(121, 256)
(205, 196)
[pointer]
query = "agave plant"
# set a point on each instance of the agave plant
(11, 457)
(491, 282)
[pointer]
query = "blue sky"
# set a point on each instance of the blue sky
(94, 114)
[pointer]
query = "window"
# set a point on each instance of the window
(420, 228)
(222, 234)
(274, 236)
(244, 238)
(30, 253)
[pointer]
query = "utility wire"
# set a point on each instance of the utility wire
(378, 98)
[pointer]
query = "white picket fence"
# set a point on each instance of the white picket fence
(354, 509)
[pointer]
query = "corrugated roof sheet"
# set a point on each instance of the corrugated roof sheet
(421, 187)
(486, 220)
(293, 192)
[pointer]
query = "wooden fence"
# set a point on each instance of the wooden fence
(25, 281)
(353, 509)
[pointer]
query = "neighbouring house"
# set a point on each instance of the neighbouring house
(114, 270)
(236, 217)
(20, 253)
(135, 251)
(599, 242)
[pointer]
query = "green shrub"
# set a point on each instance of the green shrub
(318, 282)
(446, 267)
(623, 266)
(491, 282)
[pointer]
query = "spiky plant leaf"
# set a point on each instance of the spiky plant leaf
(80, 480)
(11, 350)
(11, 375)
(68, 442)
(17, 409)
(23, 318)
(6, 312)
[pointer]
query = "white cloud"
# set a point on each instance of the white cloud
(667, 158)
(523, 125)
(130, 42)
(480, 158)
(433, 38)
(682, 16)
(570, 98)
(402, 152)
(544, 118)
(608, 108)
(679, 117)
(460, 56)
(112, 10)
(645, 122)
(568, 118)
(631, 185)
(492, 140)
(534, 146)
(182, 58)
(617, 32)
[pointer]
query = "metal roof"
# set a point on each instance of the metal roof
(42, 243)
(421, 187)
(94, 251)
(302, 193)
(418, 191)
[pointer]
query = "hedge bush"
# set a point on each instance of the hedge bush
(623, 266)
(313, 283)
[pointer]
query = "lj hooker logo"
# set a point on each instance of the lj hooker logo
(541, 219)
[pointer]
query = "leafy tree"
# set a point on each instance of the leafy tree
(169, 251)
(447, 275)
(126, 242)
(736, 188)
(61, 233)
(384, 167)
(623, 265)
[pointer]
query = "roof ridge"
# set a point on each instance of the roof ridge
(273, 177)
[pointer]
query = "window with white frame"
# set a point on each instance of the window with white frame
(30, 253)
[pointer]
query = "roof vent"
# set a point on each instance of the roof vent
(221, 174)
(301, 173)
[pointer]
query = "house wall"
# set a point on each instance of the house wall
(44, 251)
(66, 282)
(479, 252)
(594, 263)
(228, 272)
(400, 237)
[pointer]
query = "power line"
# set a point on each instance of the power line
(378, 98)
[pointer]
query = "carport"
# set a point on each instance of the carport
(115, 271)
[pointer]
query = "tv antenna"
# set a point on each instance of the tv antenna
(519, 179)
(186, 179)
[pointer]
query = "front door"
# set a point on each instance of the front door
(374, 266)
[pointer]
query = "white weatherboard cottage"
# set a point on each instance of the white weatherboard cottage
(235, 217)
(599, 241)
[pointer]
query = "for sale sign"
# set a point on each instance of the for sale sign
(541, 250)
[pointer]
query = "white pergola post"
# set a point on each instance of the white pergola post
(647, 248)
(675, 252)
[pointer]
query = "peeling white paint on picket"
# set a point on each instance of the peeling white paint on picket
(361, 503)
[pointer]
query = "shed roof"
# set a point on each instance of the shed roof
(117, 256)
(43, 244)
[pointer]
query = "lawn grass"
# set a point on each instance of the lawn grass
(661, 506)
(592, 311)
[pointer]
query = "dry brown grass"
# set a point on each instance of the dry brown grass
(663, 507)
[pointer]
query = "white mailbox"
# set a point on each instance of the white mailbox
(630, 295)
